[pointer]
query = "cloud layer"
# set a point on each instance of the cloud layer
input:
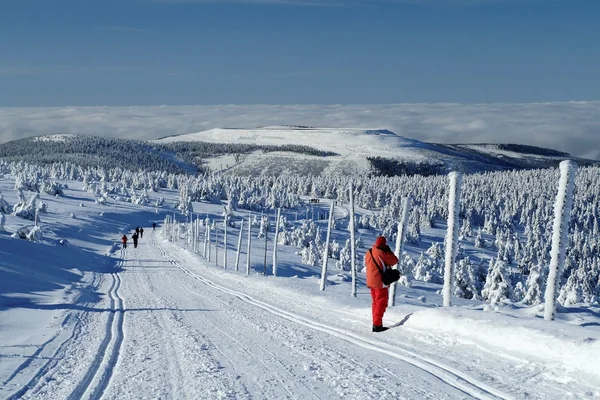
(573, 127)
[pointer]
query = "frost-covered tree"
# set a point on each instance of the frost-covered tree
(498, 286)
(52, 188)
(27, 211)
(345, 257)
(4, 206)
(426, 270)
(535, 285)
(466, 280)
(311, 255)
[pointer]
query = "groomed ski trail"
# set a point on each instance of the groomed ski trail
(164, 329)
(100, 372)
(446, 374)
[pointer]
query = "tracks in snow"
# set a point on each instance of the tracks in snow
(444, 373)
(99, 374)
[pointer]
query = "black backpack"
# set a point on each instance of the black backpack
(389, 275)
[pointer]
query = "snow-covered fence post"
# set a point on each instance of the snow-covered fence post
(197, 234)
(206, 231)
(249, 244)
(451, 235)
(326, 249)
(402, 225)
(37, 217)
(352, 241)
(209, 241)
(173, 227)
(266, 222)
(239, 247)
(166, 227)
(275, 242)
(560, 233)
(216, 245)
(225, 243)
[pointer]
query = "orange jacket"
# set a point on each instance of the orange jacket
(124, 239)
(380, 256)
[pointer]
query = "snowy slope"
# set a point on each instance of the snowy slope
(355, 146)
(87, 320)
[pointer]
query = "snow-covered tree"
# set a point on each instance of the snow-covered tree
(4, 206)
(498, 286)
(535, 285)
(466, 281)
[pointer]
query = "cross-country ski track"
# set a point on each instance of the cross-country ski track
(166, 328)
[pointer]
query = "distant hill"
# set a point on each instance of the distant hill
(278, 150)
(375, 151)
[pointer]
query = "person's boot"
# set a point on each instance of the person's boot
(379, 328)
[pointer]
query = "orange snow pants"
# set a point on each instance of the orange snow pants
(380, 301)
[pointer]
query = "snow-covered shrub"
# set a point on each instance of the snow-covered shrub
(143, 199)
(497, 284)
(519, 292)
(479, 242)
(345, 257)
(407, 269)
(573, 291)
(465, 280)
(26, 211)
(311, 255)
(42, 207)
(535, 285)
(4, 206)
(35, 234)
(21, 233)
(52, 188)
(426, 270)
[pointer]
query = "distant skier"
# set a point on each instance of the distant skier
(124, 241)
(141, 233)
(135, 240)
(137, 230)
(154, 226)
(377, 259)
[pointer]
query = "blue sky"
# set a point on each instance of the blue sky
(152, 52)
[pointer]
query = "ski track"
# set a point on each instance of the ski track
(99, 374)
(187, 337)
(446, 374)
(71, 327)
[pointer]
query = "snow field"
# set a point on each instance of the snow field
(160, 322)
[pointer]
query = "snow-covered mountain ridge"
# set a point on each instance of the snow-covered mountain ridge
(378, 151)
(275, 150)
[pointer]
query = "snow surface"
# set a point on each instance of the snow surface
(85, 319)
(370, 142)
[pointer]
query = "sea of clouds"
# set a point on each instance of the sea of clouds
(573, 127)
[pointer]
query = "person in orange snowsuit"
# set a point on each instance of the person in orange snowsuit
(124, 240)
(377, 259)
